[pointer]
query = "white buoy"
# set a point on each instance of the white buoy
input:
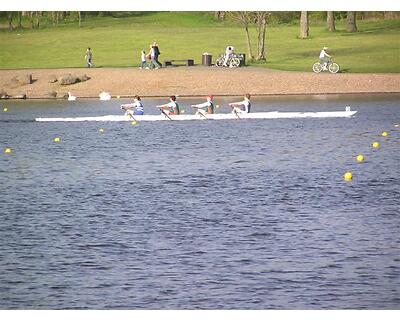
(104, 96)
(71, 97)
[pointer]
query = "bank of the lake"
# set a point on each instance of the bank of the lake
(195, 81)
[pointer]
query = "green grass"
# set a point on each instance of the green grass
(117, 42)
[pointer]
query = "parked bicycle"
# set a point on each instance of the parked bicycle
(236, 60)
(331, 66)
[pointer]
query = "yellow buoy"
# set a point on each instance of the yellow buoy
(397, 125)
(8, 150)
(5, 109)
(101, 130)
(134, 123)
(360, 158)
(217, 106)
(118, 97)
(57, 139)
(348, 176)
(375, 145)
(384, 134)
(182, 111)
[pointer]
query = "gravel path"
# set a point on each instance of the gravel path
(197, 81)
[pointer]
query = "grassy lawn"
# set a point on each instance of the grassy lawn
(117, 42)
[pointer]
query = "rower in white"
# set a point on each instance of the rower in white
(171, 108)
(206, 107)
(241, 106)
(134, 109)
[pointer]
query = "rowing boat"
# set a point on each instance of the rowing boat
(219, 116)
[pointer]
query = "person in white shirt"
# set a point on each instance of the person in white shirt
(324, 57)
(241, 106)
(88, 57)
(143, 63)
(208, 105)
(136, 108)
(153, 58)
(170, 108)
(228, 54)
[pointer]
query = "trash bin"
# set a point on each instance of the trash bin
(206, 59)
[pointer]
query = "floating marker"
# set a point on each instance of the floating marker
(182, 111)
(101, 130)
(384, 134)
(217, 106)
(348, 176)
(118, 97)
(5, 109)
(7, 150)
(360, 158)
(375, 145)
(397, 125)
(134, 123)
(57, 139)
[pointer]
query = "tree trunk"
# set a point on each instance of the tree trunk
(79, 18)
(38, 15)
(249, 51)
(9, 18)
(330, 21)
(304, 25)
(31, 18)
(351, 21)
(262, 26)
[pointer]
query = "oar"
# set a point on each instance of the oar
(200, 113)
(165, 114)
(130, 114)
(236, 113)
(203, 115)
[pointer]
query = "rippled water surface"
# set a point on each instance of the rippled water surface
(236, 214)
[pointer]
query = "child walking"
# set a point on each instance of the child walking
(143, 63)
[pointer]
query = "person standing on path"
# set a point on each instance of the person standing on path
(153, 61)
(88, 57)
(156, 52)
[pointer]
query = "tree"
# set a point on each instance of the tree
(9, 18)
(351, 21)
(19, 19)
(304, 28)
(38, 16)
(31, 19)
(245, 18)
(261, 21)
(330, 21)
(79, 19)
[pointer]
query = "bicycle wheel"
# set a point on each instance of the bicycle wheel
(317, 67)
(219, 62)
(235, 62)
(333, 67)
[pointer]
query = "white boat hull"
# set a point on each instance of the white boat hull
(218, 116)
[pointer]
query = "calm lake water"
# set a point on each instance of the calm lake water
(236, 214)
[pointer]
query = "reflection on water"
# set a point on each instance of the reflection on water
(200, 214)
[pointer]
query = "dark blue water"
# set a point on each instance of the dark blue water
(239, 214)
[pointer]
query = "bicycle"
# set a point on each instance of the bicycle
(331, 66)
(233, 62)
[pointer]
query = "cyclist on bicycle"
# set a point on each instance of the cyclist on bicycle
(228, 54)
(324, 57)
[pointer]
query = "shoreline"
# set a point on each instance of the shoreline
(194, 82)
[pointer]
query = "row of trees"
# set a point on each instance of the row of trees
(351, 25)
